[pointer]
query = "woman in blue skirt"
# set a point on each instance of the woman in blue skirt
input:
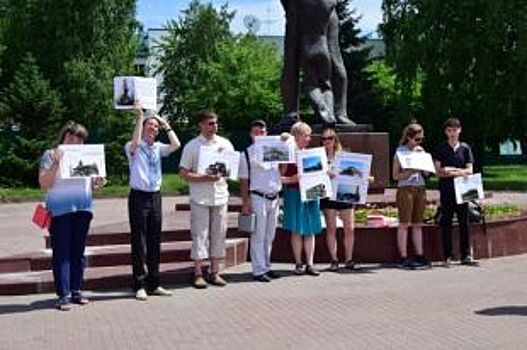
(301, 218)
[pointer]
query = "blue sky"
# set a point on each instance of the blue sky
(154, 13)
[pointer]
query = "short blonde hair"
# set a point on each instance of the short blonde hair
(300, 128)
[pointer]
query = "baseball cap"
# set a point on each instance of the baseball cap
(258, 122)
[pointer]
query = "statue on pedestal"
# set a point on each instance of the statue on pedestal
(312, 45)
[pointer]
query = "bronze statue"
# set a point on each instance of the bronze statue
(312, 44)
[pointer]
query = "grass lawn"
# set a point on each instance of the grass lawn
(500, 178)
(495, 178)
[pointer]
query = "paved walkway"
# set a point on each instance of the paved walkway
(458, 308)
(375, 308)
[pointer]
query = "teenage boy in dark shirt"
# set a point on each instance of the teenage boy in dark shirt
(452, 159)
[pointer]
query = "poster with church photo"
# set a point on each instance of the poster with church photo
(82, 161)
(214, 161)
(128, 89)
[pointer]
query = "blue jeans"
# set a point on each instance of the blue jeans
(68, 239)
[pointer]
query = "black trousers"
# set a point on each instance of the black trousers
(145, 216)
(448, 208)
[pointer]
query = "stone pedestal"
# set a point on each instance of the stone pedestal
(376, 143)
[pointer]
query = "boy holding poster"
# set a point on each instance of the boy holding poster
(453, 159)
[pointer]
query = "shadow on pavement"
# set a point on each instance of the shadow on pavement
(504, 311)
(49, 304)
(248, 277)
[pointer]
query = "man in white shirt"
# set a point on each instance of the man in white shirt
(259, 186)
(144, 202)
(208, 202)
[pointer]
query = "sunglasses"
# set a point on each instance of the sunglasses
(327, 138)
(212, 123)
(418, 139)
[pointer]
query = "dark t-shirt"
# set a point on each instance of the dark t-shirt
(448, 157)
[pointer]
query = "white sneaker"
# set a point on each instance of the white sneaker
(141, 294)
(160, 291)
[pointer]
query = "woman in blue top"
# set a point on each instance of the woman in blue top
(70, 203)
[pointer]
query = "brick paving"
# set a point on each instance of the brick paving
(376, 308)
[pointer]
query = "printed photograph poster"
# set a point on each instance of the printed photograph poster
(312, 161)
(128, 89)
(313, 187)
(82, 161)
(213, 160)
(468, 188)
(417, 161)
(350, 189)
(272, 150)
(353, 165)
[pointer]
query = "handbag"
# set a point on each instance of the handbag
(41, 217)
(247, 223)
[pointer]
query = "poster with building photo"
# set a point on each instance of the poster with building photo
(313, 175)
(128, 89)
(213, 160)
(468, 188)
(272, 150)
(351, 181)
(82, 161)
(419, 160)
(313, 187)
(312, 161)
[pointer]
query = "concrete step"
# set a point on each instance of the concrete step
(103, 277)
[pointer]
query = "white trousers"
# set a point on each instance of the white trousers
(266, 212)
(208, 227)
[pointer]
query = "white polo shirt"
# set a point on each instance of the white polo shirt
(265, 178)
(205, 193)
(145, 165)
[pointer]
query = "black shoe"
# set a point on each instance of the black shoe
(469, 261)
(299, 269)
(262, 278)
(310, 270)
(273, 274)
(406, 263)
(422, 261)
(350, 265)
(333, 266)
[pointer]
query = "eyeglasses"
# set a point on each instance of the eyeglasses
(327, 138)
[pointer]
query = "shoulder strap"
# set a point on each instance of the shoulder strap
(248, 167)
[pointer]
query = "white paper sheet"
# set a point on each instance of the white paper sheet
(216, 161)
(468, 188)
(314, 186)
(272, 150)
(82, 161)
(127, 89)
(351, 183)
(312, 161)
(417, 161)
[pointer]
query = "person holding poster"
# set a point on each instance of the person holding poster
(452, 159)
(69, 201)
(144, 201)
(208, 202)
(259, 187)
(301, 218)
(410, 198)
(331, 143)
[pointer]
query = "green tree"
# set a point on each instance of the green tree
(242, 83)
(192, 41)
(31, 106)
(78, 46)
(473, 59)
